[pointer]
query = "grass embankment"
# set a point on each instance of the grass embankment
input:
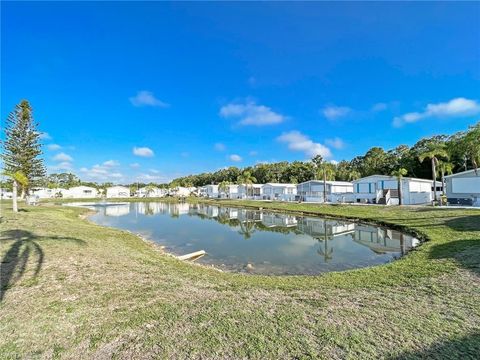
(73, 289)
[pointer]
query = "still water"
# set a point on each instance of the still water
(258, 242)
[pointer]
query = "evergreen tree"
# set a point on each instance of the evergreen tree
(22, 148)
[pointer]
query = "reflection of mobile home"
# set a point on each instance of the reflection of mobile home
(117, 210)
(274, 220)
(229, 213)
(249, 215)
(320, 227)
(383, 240)
(152, 208)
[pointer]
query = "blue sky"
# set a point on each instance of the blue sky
(152, 91)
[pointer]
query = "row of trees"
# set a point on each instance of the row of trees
(446, 154)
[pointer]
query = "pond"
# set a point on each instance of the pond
(258, 242)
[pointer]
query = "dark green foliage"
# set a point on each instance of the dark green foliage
(22, 147)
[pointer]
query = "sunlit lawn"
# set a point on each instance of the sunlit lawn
(73, 289)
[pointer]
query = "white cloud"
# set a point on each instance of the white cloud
(251, 114)
(336, 143)
(44, 136)
(457, 107)
(154, 171)
(62, 157)
(135, 165)
(335, 112)
(235, 157)
(146, 98)
(53, 147)
(111, 163)
(64, 165)
(297, 141)
(143, 151)
(219, 147)
(153, 178)
(379, 107)
(102, 172)
(253, 153)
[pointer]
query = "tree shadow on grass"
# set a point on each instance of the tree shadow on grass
(465, 252)
(25, 246)
(465, 223)
(464, 348)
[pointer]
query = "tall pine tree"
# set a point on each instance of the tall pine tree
(22, 147)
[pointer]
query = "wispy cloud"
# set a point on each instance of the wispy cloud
(44, 136)
(146, 98)
(333, 112)
(235, 157)
(135, 165)
(297, 141)
(64, 165)
(154, 171)
(143, 152)
(111, 163)
(62, 157)
(219, 147)
(379, 107)
(101, 172)
(250, 113)
(336, 143)
(458, 107)
(253, 153)
(53, 147)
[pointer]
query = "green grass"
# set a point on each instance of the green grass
(73, 289)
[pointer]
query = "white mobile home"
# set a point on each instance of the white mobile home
(149, 191)
(80, 192)
(282, 192)
(231, 193)
(211, 191)
(463, 188)
(251, 191)
(337, 191)
(383, 189)
(118, 192)
(46, 193)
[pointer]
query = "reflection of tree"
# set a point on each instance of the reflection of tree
(148, 208)
(247, 228)
(325, 252)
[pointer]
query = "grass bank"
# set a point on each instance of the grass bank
(72, 289)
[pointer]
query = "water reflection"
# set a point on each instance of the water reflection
(276, 243)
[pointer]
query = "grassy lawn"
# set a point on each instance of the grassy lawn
(72, 289)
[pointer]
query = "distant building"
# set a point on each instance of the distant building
(80, 192)
(383, 189)
(463, 188)
(336, 191)
(151, 192)
(118, 192)
(46, 193)
(277, 191)
(251, 191)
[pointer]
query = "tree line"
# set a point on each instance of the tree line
(451, 153)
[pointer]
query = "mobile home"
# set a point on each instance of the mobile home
(383, 189)
(463, 188)
(81, 192)
(118, 192)
(336, 191)
(282, 192)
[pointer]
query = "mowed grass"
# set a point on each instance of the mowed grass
(72, 289)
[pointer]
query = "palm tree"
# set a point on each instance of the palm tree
(472, 146)
(399, 174)
(246, 179)
(223, 187)
(149, 189)
(354, 175)
(444, 167)
(327, 171)
(433, 151)
(18, 178)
